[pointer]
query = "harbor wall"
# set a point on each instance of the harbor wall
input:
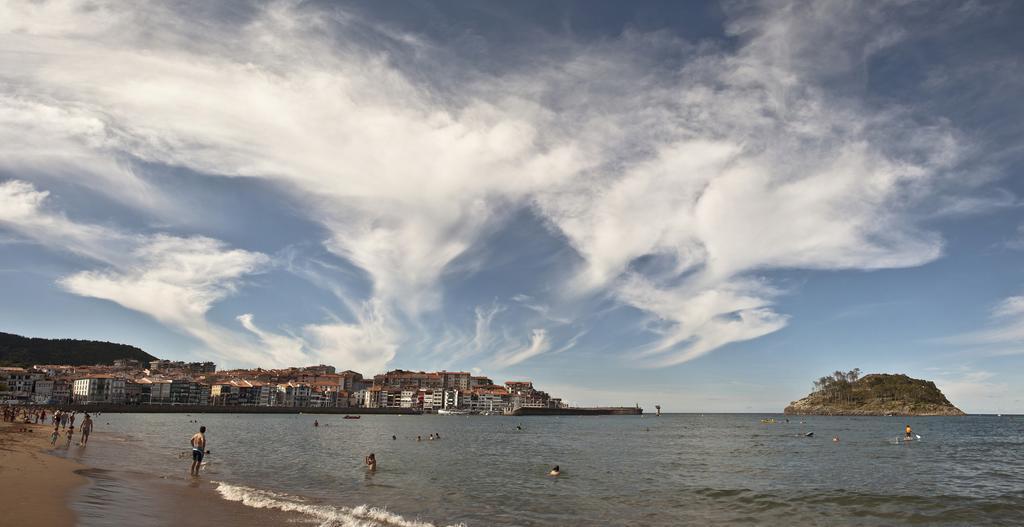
(210, 409)
(610, 410)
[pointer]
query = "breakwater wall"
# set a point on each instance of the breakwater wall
(200, 409)
(606, 410)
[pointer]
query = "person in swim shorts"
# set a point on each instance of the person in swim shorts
(198, 449)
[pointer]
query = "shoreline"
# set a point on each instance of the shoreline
(217, 409)
(41, 485)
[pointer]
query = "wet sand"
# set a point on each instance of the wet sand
(36, 486)
(41, 486)
(116, 498)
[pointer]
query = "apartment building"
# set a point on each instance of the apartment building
(99, 389)
(154, 391)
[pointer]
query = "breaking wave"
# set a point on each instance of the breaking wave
(327, 515)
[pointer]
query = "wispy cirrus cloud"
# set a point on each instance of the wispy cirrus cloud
(1003, 335)
(538, 344)
(174, 279)
(177, 280)
(678, 173)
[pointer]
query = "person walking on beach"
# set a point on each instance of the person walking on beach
(54, 436)
(86, 429)
(198, 449)
(71, 434)
(71, 420)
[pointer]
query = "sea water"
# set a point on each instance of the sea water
(616, 470)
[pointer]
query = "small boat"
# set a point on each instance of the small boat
(351, 417)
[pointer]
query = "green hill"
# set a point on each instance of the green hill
(875, 394)
(16, 350)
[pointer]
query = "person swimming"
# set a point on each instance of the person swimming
(316, 423)
(371, 461)
(835, 439)
(555, 471)
(394, 438)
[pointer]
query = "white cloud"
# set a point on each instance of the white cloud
(370, 343)
(757, 167)
(176, 281)
(22, 210)
(1017, 242)
(285, 349)
(702, 319)
(46, 140)
(973, 390)
(482, 337)
(1004, 334)
(173, 279)
(539, 344)
(736, 162)
(404, 185)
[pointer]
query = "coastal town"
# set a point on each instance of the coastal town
(163, 382)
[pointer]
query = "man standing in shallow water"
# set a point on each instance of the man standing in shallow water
(198, 449)
(86, 429)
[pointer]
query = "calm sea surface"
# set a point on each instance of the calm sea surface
(628, 470)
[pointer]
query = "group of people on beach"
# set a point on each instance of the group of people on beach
(27, 415)
(61, 419)
(66, 420)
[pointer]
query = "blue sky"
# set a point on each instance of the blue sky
(703, 206)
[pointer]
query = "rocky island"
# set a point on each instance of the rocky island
(847, 393)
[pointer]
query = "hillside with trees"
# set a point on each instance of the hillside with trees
(847, 393)
(16, 350)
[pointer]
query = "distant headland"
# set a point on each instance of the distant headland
(847, 393)
(16, 350)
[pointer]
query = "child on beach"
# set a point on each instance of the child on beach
(53, 437)
(71, 432)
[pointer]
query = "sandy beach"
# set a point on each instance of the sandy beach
(36, 486)
(40, 488)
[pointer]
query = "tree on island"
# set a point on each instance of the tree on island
(838, 387)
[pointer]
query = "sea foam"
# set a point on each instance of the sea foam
(327, 515)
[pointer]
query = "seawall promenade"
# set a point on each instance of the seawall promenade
(211, 409)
